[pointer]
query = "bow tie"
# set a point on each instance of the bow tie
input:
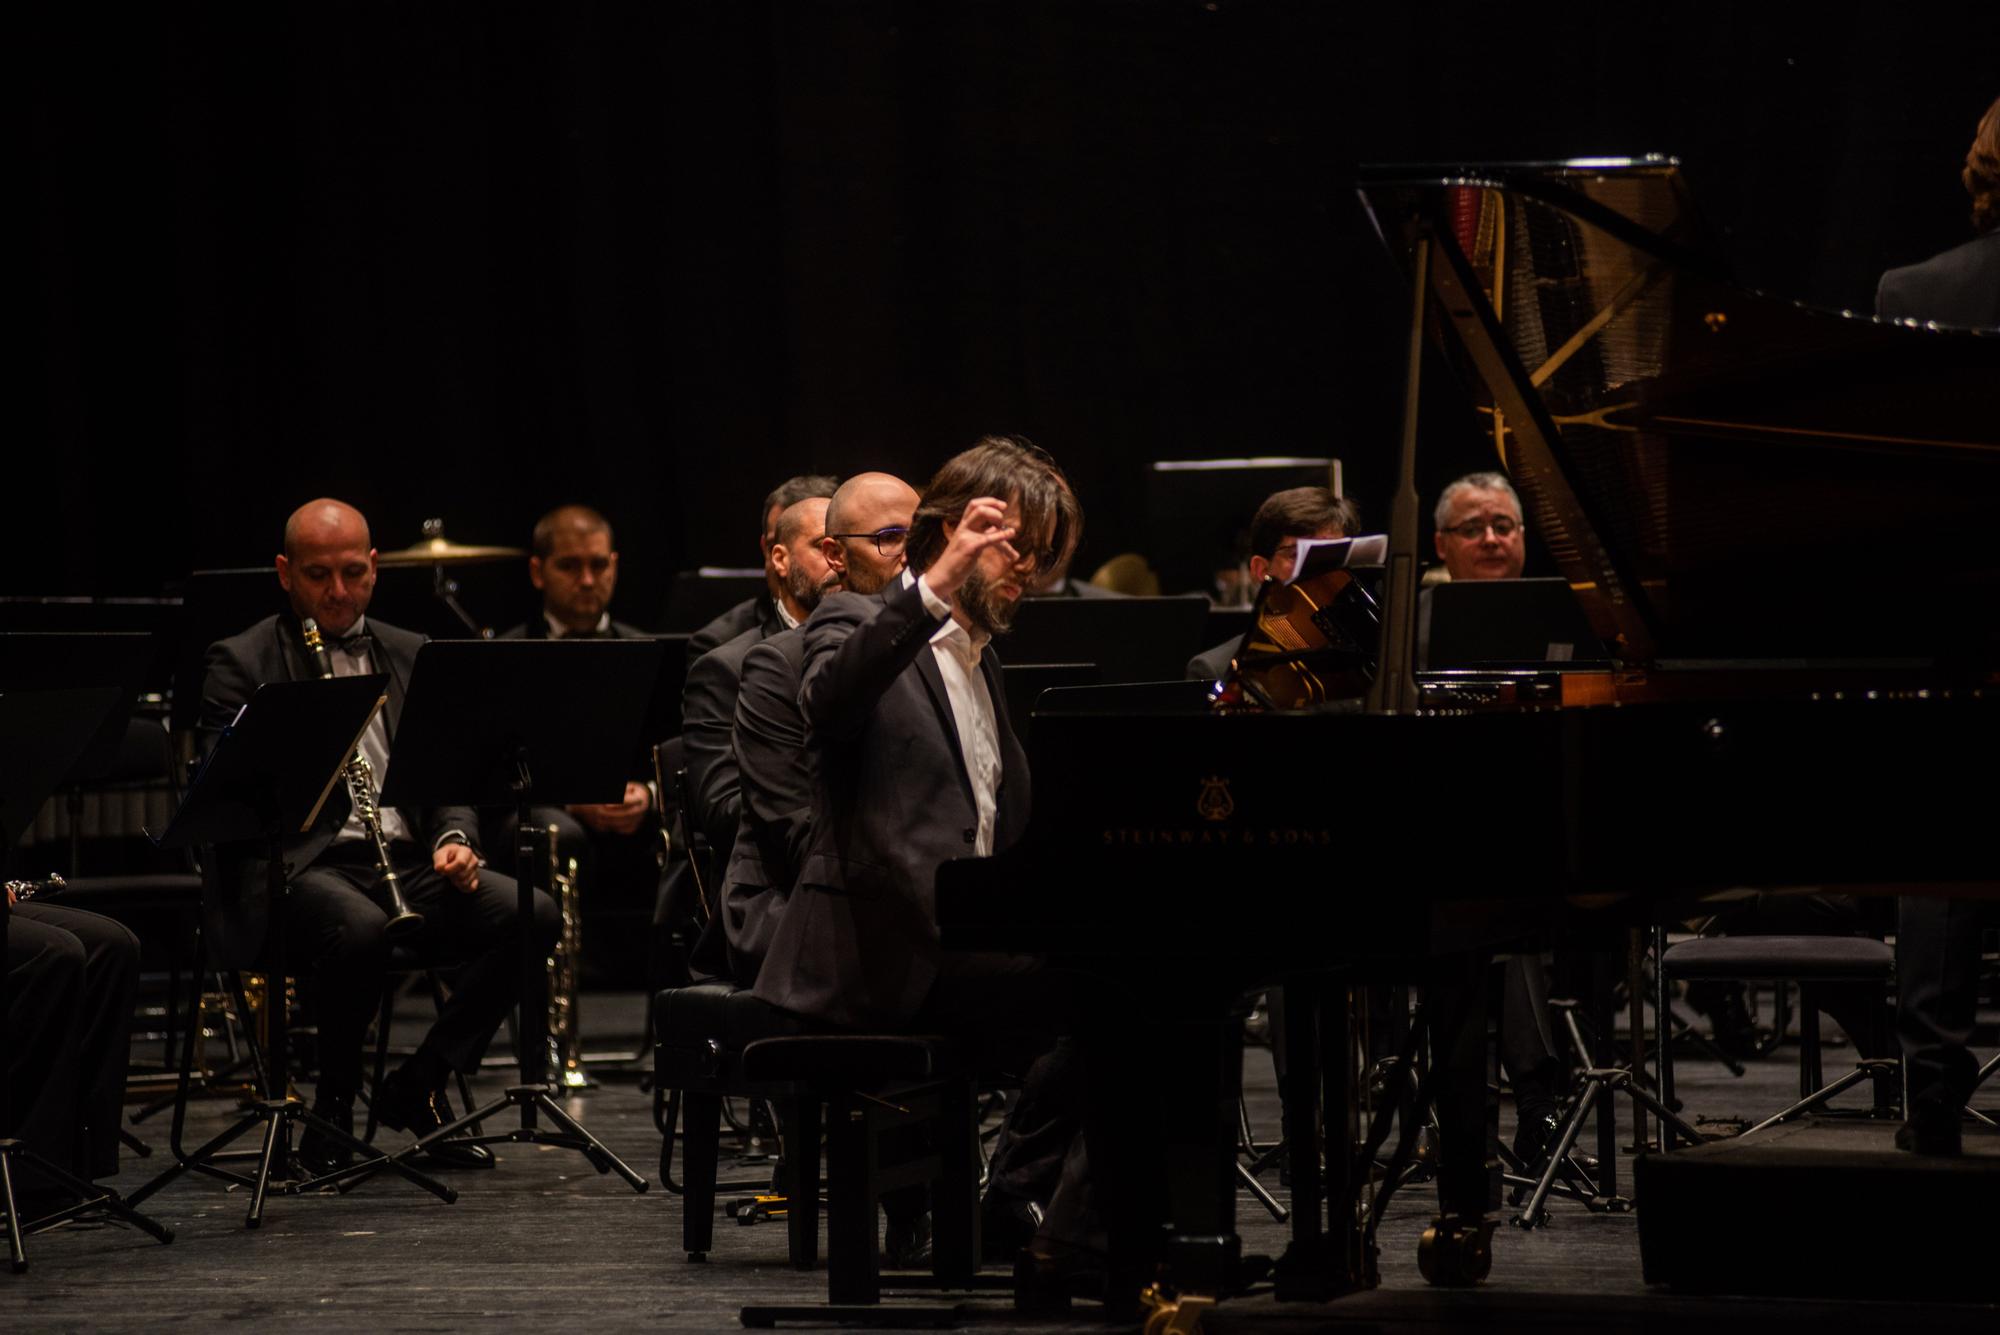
(354, 646)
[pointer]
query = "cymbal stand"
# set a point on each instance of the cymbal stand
(534, 1095)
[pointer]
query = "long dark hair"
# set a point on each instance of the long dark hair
(1010, 468)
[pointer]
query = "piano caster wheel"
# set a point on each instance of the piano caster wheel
(1456, 1251)
(1166, 1315)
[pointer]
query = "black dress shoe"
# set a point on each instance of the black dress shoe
(906, 1243)
(1007, 1224)
(1931, 1135)
(320, 1154)
(403, 1104)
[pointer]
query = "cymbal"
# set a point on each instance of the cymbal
(441, 551)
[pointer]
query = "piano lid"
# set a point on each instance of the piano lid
(1717, 471)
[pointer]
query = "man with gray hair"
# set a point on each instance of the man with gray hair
(1480, 534)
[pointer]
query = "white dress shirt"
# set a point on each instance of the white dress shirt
(374, 742)
(559, 631)
(957, 651)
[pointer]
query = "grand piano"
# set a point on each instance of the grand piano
(1779, 519)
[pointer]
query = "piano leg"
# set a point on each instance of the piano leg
(1324, 1258)
(1457, 1249)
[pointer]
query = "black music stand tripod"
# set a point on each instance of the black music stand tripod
(269, 774)
(522, 723)
(43, 734)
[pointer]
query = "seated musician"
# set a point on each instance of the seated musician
(71, 979)
(1937, 940)
(914, 761)
(335, 910)
(766, 610)
(1284, 518)
(870, 520)
(1480, 535)
(574, 565)
(708, 713)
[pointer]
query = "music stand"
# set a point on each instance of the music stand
(44, 733)
(270, 773)
(523, 723)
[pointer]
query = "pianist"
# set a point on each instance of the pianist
(914, 762)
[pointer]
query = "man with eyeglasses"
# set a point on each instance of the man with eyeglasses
(867, 525)
(1276, 529)
(1479, 529)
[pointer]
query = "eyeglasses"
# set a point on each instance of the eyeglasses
(1472, 530)
(888, 541)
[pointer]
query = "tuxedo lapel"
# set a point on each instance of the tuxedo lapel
(933, 679)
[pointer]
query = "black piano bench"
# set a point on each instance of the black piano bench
(701, 1033)
(901, 1111)
(1810, 961)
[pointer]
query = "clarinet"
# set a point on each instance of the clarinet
(360, 776)
(23, 891)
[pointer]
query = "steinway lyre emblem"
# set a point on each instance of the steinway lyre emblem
(1215, 803)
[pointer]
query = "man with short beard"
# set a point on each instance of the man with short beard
(800, 575)
(914, 762)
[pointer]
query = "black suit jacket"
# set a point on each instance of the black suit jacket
(774, 771)
(858, 943)
(1959, 287)
(759, 613)
(708, 724)
(272, 650)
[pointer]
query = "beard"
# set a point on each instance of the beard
(984, 606)
(807, 591)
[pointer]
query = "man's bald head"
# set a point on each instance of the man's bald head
(868, 504)
(328, 565)
(325, 520)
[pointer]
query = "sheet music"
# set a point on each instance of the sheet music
(1319, 555)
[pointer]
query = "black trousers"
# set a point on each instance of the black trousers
(71, 977)
(1937, 980)
(334, 942)
(1021, 1015)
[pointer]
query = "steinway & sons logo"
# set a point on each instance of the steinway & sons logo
(1216, 806)
(1215, 803)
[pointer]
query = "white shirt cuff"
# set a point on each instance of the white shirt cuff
(933, 604)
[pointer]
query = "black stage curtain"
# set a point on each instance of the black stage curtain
(476, 260)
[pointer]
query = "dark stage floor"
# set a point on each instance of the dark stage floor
(544, 1241)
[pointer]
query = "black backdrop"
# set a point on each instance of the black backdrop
(474, 261)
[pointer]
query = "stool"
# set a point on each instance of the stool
(1809, 961)
(883, 1092)
(701, 1032)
